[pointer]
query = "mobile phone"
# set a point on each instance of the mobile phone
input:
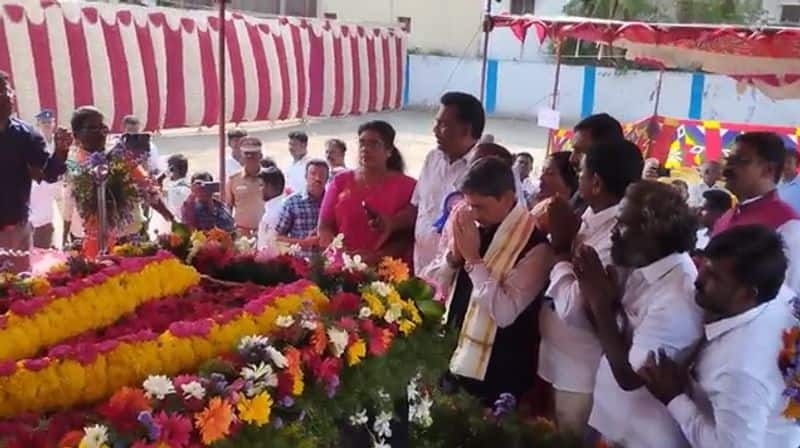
(211, 187)
(139, 143)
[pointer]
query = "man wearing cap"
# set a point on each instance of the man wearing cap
(233, 158)
(243, 192)
(133, 125)
(23, 157)
(789, 187)
(44, 194)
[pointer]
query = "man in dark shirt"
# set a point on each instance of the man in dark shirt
(23, 157)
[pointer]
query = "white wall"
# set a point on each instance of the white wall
(523, 87)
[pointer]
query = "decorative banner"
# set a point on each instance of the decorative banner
(161, 64)
(684, 142)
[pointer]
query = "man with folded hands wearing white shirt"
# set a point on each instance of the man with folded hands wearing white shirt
(651, 310)
(570, 350)
(731, 395)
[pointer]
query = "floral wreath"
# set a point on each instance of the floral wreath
(789, 363)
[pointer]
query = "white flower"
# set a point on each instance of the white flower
(284, 321)
(359, 418)
(261, 373)
(354, 263)
(193, 390)
(394, 313)
(337, 243)
(244, 244)
(339, 339)
(158, 386)
(384, 396)
(308, 324)
(364, 312)
(248, 342)
(278, 359)
(295, 249)
(411, 391)
(381, 288)
(383, 425)
(420, 413)
(380, 444)
(94, 436)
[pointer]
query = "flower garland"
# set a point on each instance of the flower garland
(789, 364)
(270, 374)
(90, 303)
(64, 382)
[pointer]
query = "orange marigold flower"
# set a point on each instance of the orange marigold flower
(393, 270)
(214, 422)
(292, 356)
(319, 340)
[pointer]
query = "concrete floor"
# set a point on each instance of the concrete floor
(414, 138)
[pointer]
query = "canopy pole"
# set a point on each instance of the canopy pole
(554, 98)
(659, 82)
(487, 29)
(652, 125)
(221, 76)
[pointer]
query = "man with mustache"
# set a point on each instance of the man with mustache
(297, 223)
(733, 395)
(752, 172)
(23, 158)
(651, 310)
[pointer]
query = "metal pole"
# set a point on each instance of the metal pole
(487, 29)
(554, 98)
(222, 142)
(658, 92)
(102, 217)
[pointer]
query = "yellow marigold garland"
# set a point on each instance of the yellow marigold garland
(92, 307)
(64, 384)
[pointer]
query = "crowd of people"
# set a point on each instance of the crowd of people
(650, 310)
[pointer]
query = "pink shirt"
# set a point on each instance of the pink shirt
(342, 205)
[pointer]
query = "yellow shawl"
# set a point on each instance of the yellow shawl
(475, 341)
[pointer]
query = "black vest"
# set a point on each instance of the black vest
(511, 366)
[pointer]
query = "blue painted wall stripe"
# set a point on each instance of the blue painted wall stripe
(491, 86)
(406, 81)
(696, 98)
(587, 102)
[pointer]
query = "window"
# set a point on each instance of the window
(330, 15)
(405, 23)
(303, 8)
(790, 13)
(523, 6)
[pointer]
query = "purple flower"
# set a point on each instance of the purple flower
(331, 386)
(287, 402)
(504, 404)
(277, 422)
(146, 419)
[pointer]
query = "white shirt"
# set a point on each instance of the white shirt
(231, 166)
(735, 394)
(703, 238)
(296, 175)
(696, 193)
(272, 213)
(43, 195)
(659, 305)
(438, 178)
(570, 352)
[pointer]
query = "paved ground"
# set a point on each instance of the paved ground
(415, 138)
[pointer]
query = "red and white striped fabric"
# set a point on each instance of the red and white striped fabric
(161, 64)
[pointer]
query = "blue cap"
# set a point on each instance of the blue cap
(45, 114)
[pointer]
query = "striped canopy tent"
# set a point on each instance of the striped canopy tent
(162, 64)
(767, 58)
